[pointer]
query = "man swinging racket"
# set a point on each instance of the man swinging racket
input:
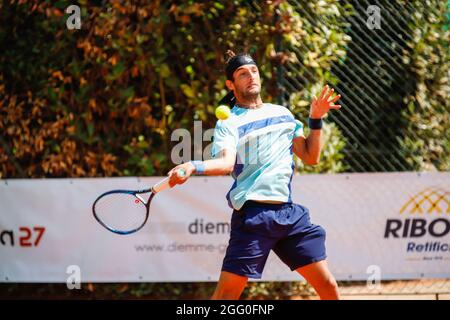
(256, 144)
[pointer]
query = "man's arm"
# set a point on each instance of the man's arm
(308, 149)
(223, 165)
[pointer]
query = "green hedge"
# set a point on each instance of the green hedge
(426, 145)
(103, 100)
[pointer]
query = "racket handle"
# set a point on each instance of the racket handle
(164, 184)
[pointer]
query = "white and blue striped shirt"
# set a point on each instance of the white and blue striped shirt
(262, 139)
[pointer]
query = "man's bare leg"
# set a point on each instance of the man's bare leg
(229, 287)
(320, 277)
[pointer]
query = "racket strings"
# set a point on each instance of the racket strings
(121, 212)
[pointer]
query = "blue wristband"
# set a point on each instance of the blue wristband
(315, 123)
(199, 167)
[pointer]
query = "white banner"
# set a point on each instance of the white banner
(391, 225)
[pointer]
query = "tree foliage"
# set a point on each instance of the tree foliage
(103, 100)
(426, 142)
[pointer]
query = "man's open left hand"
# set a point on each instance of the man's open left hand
(320, 106)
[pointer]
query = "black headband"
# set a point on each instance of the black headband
(228, 100)
(236, 62)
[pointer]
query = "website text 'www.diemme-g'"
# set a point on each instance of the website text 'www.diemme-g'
(181, 247)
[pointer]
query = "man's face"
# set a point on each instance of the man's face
(246, 82)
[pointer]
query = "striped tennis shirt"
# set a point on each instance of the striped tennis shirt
(262, 139)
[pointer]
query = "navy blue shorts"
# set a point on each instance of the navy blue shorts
(284, 228)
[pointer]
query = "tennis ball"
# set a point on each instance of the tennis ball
(222, 112)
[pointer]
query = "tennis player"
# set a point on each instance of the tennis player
(256, 144)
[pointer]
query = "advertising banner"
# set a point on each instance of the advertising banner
(391, 225)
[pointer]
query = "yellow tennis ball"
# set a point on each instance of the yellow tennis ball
(222, 112)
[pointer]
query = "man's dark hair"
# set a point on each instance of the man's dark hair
(234, 61)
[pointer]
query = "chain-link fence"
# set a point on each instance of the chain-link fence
(376, 78)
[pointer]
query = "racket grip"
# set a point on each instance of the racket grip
(164, 184)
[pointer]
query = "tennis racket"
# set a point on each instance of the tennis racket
(126, 211)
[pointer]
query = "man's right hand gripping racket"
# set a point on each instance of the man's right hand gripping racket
(126, 211)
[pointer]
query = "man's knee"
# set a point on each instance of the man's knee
(330, 284)
(328, 288)
(226, 294)
(229, 287)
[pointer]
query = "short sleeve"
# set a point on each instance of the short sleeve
(298, 131)
(225, 137)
